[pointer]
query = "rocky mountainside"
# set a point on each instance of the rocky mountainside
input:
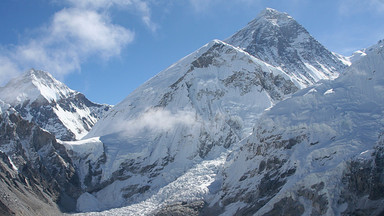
(277, 39)
(190, 113)
(317, 153)
(42, 99)
(36, 172)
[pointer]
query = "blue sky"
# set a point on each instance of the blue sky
(107, 48)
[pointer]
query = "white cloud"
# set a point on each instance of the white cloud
(139, 6)
(73, 35)
(146, 15)
(155, 120)
(7, 68)
(92, 30)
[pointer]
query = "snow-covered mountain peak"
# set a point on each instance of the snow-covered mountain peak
(273, 16)
(42, 99)
(276, 38)
(34, 85)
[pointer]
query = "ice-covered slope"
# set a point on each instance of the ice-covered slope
(191, 111)
(40, 98)
(277, 39)
(317, 153)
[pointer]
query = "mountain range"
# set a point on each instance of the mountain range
(266, 122)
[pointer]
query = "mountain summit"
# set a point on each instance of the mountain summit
(42, 99)
(34, 86)
(277, 39)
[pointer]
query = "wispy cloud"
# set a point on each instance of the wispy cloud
(73, 35)
(140, 6)
(155, 120)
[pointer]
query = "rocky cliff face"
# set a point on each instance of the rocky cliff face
(24, 194)
(38, 174)
(42, 99)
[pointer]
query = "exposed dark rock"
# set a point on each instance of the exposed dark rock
(182, 209)
(208, 57)
(276, 86)
(364, 185)
(44, 167)
(319, 201)
(287, 207)
(134, 189)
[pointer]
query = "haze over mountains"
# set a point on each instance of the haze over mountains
(267, 122)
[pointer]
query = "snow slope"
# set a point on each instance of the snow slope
(315, 152)
(40, 98)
